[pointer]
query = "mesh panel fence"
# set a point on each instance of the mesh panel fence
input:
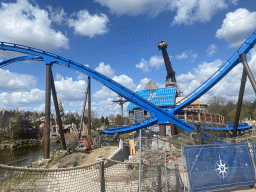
(121, 176)
(161, 167)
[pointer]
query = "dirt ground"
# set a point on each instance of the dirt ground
(82, 158)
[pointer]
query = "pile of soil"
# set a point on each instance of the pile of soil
(81, 158)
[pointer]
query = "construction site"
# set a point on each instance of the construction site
(172, 144)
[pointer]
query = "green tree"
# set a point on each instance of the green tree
(85, 119)
(228, 107)
(230, 117)
(72, 119)
(35, 117)
(106, 121)
(217, 105)
(127, 121)
(254, 114)
(95, 123)
(102, 120)
(119, 120)
(252, 109)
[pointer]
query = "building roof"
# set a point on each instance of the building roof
(151, 85)
(163, 97)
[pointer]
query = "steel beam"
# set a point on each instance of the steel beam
(84, 105)
(162, 129)
(243, 59)
(241, 95)
(47, 112)
(173, 129)
(89, 106)
(57, 110)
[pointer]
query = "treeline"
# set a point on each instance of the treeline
(222, 106)
(19, 125)
(97, 122)
(25, 124)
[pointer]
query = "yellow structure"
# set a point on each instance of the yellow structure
(132, 147)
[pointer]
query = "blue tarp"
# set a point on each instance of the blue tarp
(253, 145)
(215, 167)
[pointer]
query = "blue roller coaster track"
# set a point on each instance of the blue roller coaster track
(159, 115)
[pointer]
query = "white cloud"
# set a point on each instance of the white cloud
(125, 81)
(228, 87)
(69, 90)
(23, 23)
(131, 7)
(187, 11)
(156, 61)
(191, 11)
(40, 108)
(106, 92)
(184, 55)
(58, 77)
(89, 25)
(107, 108)
(144, 65)
(57, 15)
(10, 81)
(236, 26)
(142, 84)
(187, 55)
(105, 70)
(212, 49)
(21, 99)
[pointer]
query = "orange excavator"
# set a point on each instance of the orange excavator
(85, 143)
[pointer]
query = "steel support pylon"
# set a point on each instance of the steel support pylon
(84, 105)
(46, 130)
(242, 58)
(89, 107)
(57, 110)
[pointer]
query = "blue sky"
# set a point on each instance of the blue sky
(119, 39)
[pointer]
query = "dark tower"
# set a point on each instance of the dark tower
(170, 80)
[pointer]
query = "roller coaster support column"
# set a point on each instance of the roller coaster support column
(47, 112)
(248, 71)
(89, 106)
(242, 58)
(57, 110)
(84, 105)
(162, 129)
(173, 129)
